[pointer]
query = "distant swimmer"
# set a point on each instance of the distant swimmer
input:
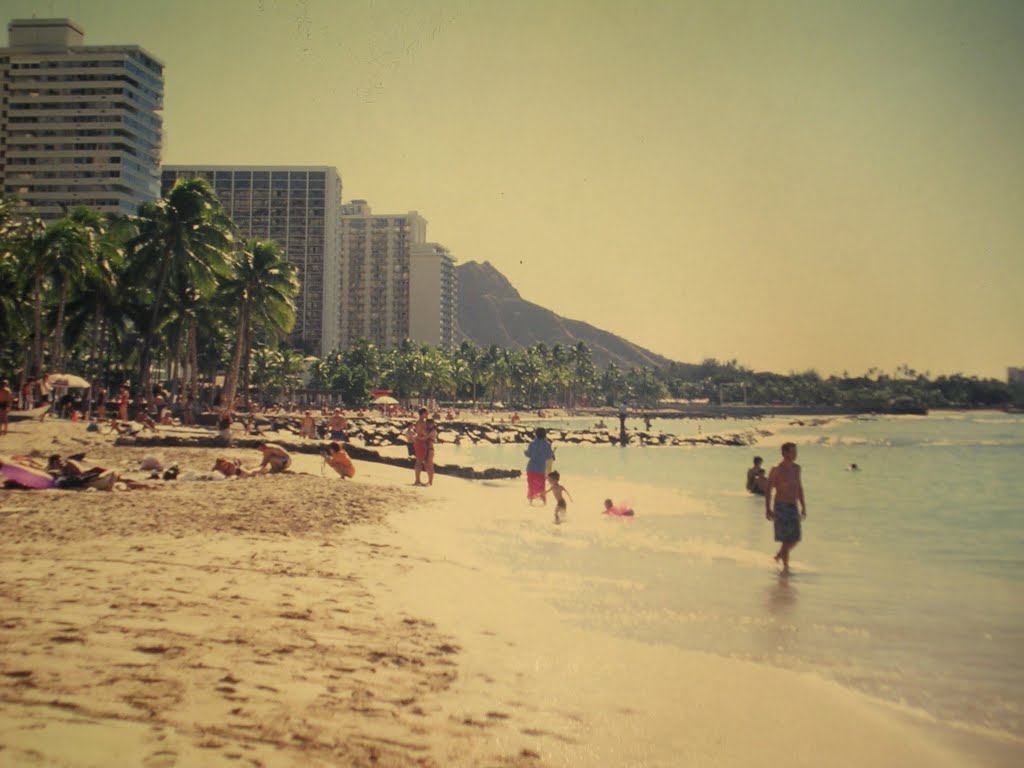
(617, 511)
(757, 482)
(785, 484)
(854, 468)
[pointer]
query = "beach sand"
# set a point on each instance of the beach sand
(303, 620)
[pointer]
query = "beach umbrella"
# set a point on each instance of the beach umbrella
(385, 400)
(69, 380)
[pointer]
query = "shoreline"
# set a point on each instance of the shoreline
(299, 617)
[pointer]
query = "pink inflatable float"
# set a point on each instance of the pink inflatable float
(26, 477)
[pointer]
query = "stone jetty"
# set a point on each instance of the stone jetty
(365, 435)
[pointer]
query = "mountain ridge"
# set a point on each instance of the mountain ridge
(492, 311)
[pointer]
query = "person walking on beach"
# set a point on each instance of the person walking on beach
(224, 419)
(420, 443)
(308, 426)
(559, 491)
(428, 463)
(539, 452)
(45, 394)
(6, 402)
(100, 403)
(122, 403)
(27, 400)
(785, 485)
(337, 425)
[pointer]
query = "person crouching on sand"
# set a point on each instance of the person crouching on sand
(275, 458)
(559, 491)
(337, 459)
(611, 509)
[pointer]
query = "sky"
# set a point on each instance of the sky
(834, 185)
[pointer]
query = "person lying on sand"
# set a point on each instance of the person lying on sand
(72, 473)
(123, 428)
(232, 468)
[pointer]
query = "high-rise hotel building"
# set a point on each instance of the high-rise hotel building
(298, 207)
(79, 125)
(394, 285)
(433, 295)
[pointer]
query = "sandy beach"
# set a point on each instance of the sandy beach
(300, 619)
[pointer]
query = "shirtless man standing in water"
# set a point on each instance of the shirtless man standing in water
(784, 482)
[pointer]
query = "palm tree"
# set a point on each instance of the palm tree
(185, 237)
(72, 242)
(266, 286)
(495, 361)
(94, 308)
(613, 385)
(14, 307)
(361, 369)
(438, 377)
(583, 370)
(29, 245)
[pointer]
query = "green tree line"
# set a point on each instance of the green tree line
(175, 295)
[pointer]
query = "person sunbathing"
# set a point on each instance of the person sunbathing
(232, 468)
(73, 474)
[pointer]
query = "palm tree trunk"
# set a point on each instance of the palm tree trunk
(37, 326)
(179, 361)
(246, 360)
(94, 341)
(231, 385)
(147, 344)
(58, 332)
(193, 343)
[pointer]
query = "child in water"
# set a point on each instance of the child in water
(611, 509)
(560, 493)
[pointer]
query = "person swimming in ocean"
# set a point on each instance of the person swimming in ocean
(620, 511)
(757, 481)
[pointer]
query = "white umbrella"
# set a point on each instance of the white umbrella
(385, 400)
(69, 380)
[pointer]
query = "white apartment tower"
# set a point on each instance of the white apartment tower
(79, 125)
(394, 285)
(298, 207)
(432, 296)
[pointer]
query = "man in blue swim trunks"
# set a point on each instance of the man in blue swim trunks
(784, 482)
(275, 458)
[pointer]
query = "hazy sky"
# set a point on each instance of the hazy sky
(830, 184)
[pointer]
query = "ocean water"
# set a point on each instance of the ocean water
(908, 585)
